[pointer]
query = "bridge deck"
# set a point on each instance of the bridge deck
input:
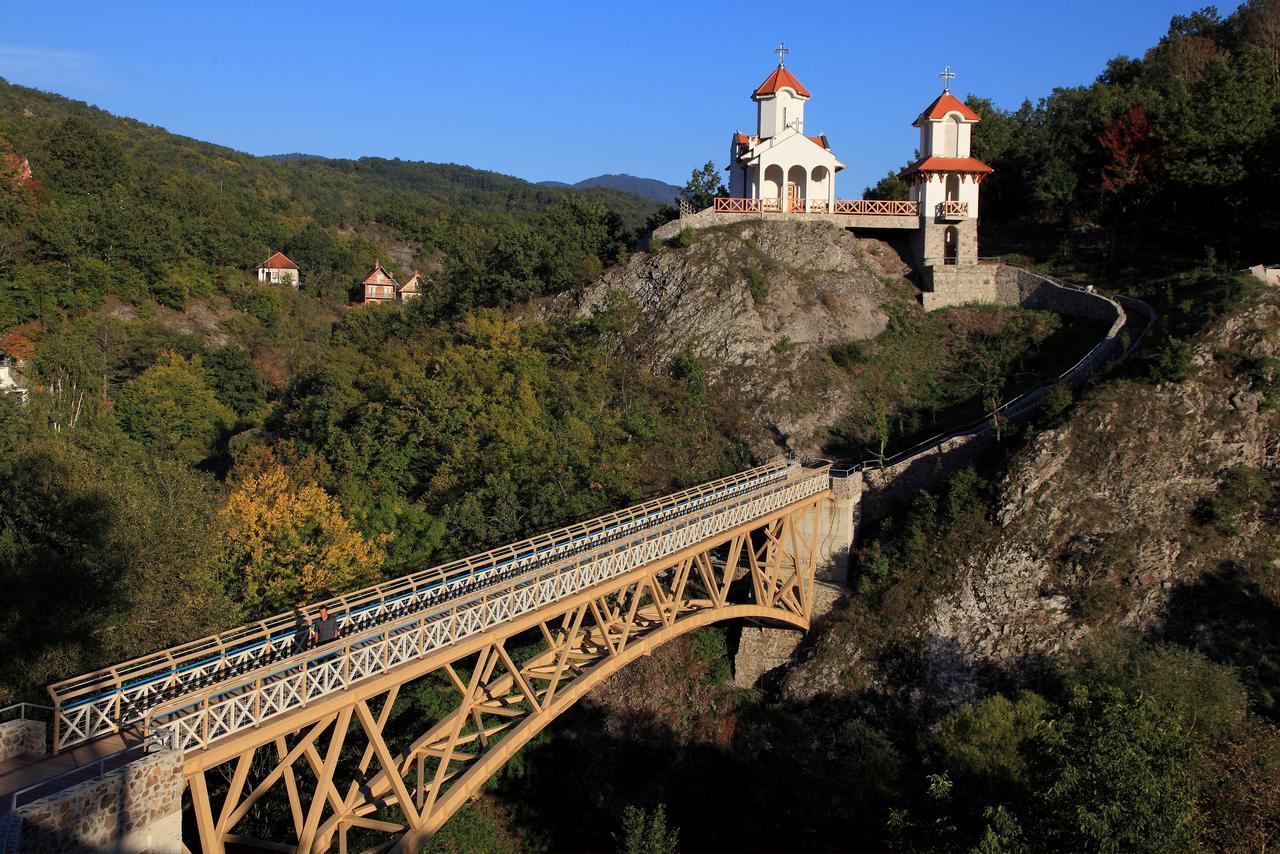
(103, 702)
(247, 699)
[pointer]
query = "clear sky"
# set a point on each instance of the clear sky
(558, 91)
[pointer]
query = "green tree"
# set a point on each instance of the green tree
(1113, 773)
(645, 832)
(888, 188)
(171, 408)
(703, 187)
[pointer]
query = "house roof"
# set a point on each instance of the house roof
(378, 276)
(947, 164)
(278, 261)
(947, 103)
(412, 286)
(781, 78)
(821, 139)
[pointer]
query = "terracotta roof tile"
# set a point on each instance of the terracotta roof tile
(947, 164)
(781, 78)
(947, 103)
(278, 261)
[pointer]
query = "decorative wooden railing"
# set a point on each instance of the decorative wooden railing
(864, 207)
(877, 207)
(953, 208)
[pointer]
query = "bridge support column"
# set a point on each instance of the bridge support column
(762, 649)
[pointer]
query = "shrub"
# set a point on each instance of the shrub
(783, 346)
(685, 238)
(755, 284)
(1243, 490)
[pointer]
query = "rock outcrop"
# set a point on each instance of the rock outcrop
(817, 286)
(1096, 525)
(763, 303)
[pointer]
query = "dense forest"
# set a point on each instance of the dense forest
(199, 449)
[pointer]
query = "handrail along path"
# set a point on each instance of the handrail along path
(111, 700)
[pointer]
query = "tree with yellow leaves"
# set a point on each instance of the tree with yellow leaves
(289, 543)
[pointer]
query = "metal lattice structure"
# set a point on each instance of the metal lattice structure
(516, 634)
(504, 691)
(115, 699)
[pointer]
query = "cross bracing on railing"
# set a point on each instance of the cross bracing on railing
(199, 719)
(111, 699)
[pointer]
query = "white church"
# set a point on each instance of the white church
(780, 164)
(784, 173)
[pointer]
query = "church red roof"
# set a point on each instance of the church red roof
(947, 164)
(277, 261)
(742, 139)
(779, 79)
(821, 139)
(948, 103)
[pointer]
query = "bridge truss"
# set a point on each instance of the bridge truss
(349, 773)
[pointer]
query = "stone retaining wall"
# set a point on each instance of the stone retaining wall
(22, 738)
(136, 808)
(958, 284)
(892, 484)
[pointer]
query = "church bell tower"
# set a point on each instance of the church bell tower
(945, 180)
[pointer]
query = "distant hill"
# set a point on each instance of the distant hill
(650, 188)
(183, 213)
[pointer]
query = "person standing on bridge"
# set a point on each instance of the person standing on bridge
(325, 628)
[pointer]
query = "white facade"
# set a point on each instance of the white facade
(279, 270)
(946, 172)
(279, 276)
(779, 163)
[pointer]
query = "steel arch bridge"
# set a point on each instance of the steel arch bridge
(512, 638)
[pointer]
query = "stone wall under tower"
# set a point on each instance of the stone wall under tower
(931, 241)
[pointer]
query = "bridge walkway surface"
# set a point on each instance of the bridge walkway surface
(194, 694)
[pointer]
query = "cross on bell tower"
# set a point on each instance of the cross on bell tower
(947, 76)
(782, 50)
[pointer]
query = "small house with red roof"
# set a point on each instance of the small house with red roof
(279, 270)
(412, 288)
(787, 169)
(379, 285)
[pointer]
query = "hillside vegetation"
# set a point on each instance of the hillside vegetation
(1071, 647)
(123, 208)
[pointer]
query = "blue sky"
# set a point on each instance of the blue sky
(558, 91)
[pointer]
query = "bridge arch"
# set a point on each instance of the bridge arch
(504, 691)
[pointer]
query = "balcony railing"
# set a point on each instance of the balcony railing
(863, 207)
(952, 209)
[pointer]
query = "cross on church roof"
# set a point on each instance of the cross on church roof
(947, 76)
(781, 50)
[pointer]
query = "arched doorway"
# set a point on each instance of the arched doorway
(772, 189)
(953, 188)
(819, 189)
(797, 180)
(951, 245)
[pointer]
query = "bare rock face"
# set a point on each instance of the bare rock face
(763, 302)
(1095, 527)
(818, 286)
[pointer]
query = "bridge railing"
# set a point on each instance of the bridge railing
(108, 700)
(199, 719)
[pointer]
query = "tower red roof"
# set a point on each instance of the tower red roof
(947, 103)
(781, 78)
(277, 261)
(967, 165)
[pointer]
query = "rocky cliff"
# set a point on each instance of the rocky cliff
(815, 286)
(1150, 508)
(763, 303)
